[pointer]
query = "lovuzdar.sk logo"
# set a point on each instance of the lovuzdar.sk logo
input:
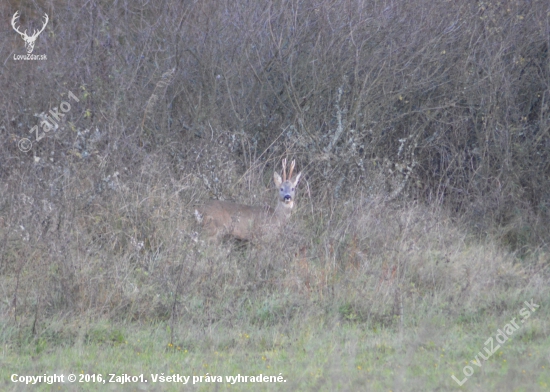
(29, 39)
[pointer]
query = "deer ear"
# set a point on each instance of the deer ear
(277, 179)
(297, 179)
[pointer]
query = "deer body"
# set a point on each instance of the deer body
(224, 218)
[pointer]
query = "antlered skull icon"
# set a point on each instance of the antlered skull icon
(29, 40)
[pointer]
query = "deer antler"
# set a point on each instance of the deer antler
(284, 170)
(35, 33)
(291, 170)
(14, 20)
(46, 19)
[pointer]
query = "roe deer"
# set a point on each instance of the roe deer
(224, 218)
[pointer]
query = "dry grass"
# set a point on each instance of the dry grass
(421, 129)
(132, 253)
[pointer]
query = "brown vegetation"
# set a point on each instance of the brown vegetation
(421, 128)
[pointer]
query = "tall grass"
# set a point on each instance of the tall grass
(421, 128)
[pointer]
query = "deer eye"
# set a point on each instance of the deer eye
(282, 189)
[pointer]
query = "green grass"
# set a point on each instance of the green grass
(310, 355)
(387, 310)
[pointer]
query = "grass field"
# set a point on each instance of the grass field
(416, 257)
(402, 306)
(310, 355)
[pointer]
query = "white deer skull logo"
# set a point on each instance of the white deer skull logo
(29, 40)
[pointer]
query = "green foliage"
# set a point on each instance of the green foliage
(102, 334)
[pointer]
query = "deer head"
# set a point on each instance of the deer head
(29, 40)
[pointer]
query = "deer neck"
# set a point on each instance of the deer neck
(283, 210)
